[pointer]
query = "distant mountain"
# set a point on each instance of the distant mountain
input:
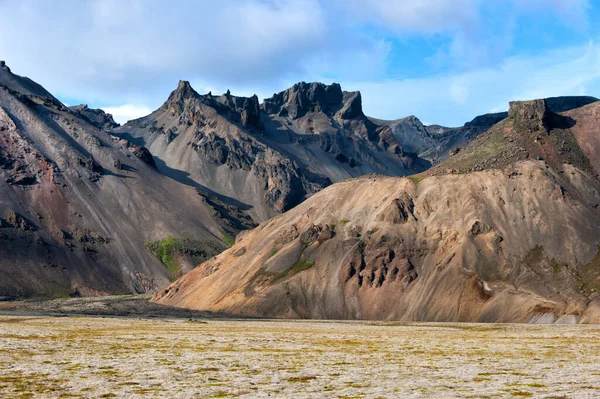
(78, 206)
(434, 143)
(270, 156)
(504, 230)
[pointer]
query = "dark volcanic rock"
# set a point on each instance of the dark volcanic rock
(352, 107)
(479, 228)
(306, 97)
(532, 115)
(4, 66)
(487, 120)
(143, 154)
(183, 91)
(567, 103)
(96, 117)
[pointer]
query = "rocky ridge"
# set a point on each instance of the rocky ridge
(95, 117)
(269, 157)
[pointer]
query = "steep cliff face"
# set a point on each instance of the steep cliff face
(328, 124)
(503, 231)
(269, 158)
(77, 205)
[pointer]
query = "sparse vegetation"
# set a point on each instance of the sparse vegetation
(304, 378)
(522, 394)
(118, 357)
(302, 265)
(344, 221)
(534, 256)
(228, 240)
(169, 250)
(297, 267)
(416, 179)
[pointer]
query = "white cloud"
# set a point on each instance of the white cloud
(454, 99)
(126, 112)
(423, 16)
(104, 51)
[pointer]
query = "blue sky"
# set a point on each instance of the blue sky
(444, 61)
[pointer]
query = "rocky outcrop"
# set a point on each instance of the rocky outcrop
(530, 115)
(143, 154)
(16, 221)
(400, 210)
(4, 67)
(95, 117)
(303, 98)
(531, 131)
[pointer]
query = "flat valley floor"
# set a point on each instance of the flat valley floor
(56, 357)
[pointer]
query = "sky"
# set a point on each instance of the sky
(444, 61)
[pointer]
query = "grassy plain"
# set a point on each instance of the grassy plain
(80, 357)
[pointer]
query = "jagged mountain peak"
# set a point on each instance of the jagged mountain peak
(184, 90)
(4, 67)
(303, 98)
(243, 110)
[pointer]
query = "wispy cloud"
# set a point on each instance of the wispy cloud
(454, 99)
(96, 50)
(127, 112)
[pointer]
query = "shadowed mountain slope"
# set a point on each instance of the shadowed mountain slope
(271, 156)
(77, 205)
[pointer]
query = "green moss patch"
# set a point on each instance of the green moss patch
(228, 240)
(171, 249)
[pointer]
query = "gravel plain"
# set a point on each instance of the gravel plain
(67, 357)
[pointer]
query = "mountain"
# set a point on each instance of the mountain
(505, 230)
(269, 157)
(78, 206)
(434, 143)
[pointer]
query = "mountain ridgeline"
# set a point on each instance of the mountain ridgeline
(504, 230)
(271, 156)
